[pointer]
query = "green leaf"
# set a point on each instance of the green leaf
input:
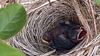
(97, 2)
(6, 50)
(12, 19)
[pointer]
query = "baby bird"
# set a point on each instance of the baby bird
(61, 43)
(65, 36)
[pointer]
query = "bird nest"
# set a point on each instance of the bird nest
(47, 16)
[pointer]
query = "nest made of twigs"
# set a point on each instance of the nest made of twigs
(43, 18)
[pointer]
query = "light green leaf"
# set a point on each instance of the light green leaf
(12, 19)
(97, 2)
(6, 50)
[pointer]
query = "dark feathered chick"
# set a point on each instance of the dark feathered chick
(65, 36)
(62, 43)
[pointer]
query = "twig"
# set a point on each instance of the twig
(93, 16)
(48, 53)
(80, 16)
(40, 6)
(50, 2)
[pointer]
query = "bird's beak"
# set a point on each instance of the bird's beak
(82, 34)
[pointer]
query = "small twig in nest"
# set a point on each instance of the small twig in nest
(93, 16)
(50, 2)
(48, 53)
(81, 18)
(40, 6)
